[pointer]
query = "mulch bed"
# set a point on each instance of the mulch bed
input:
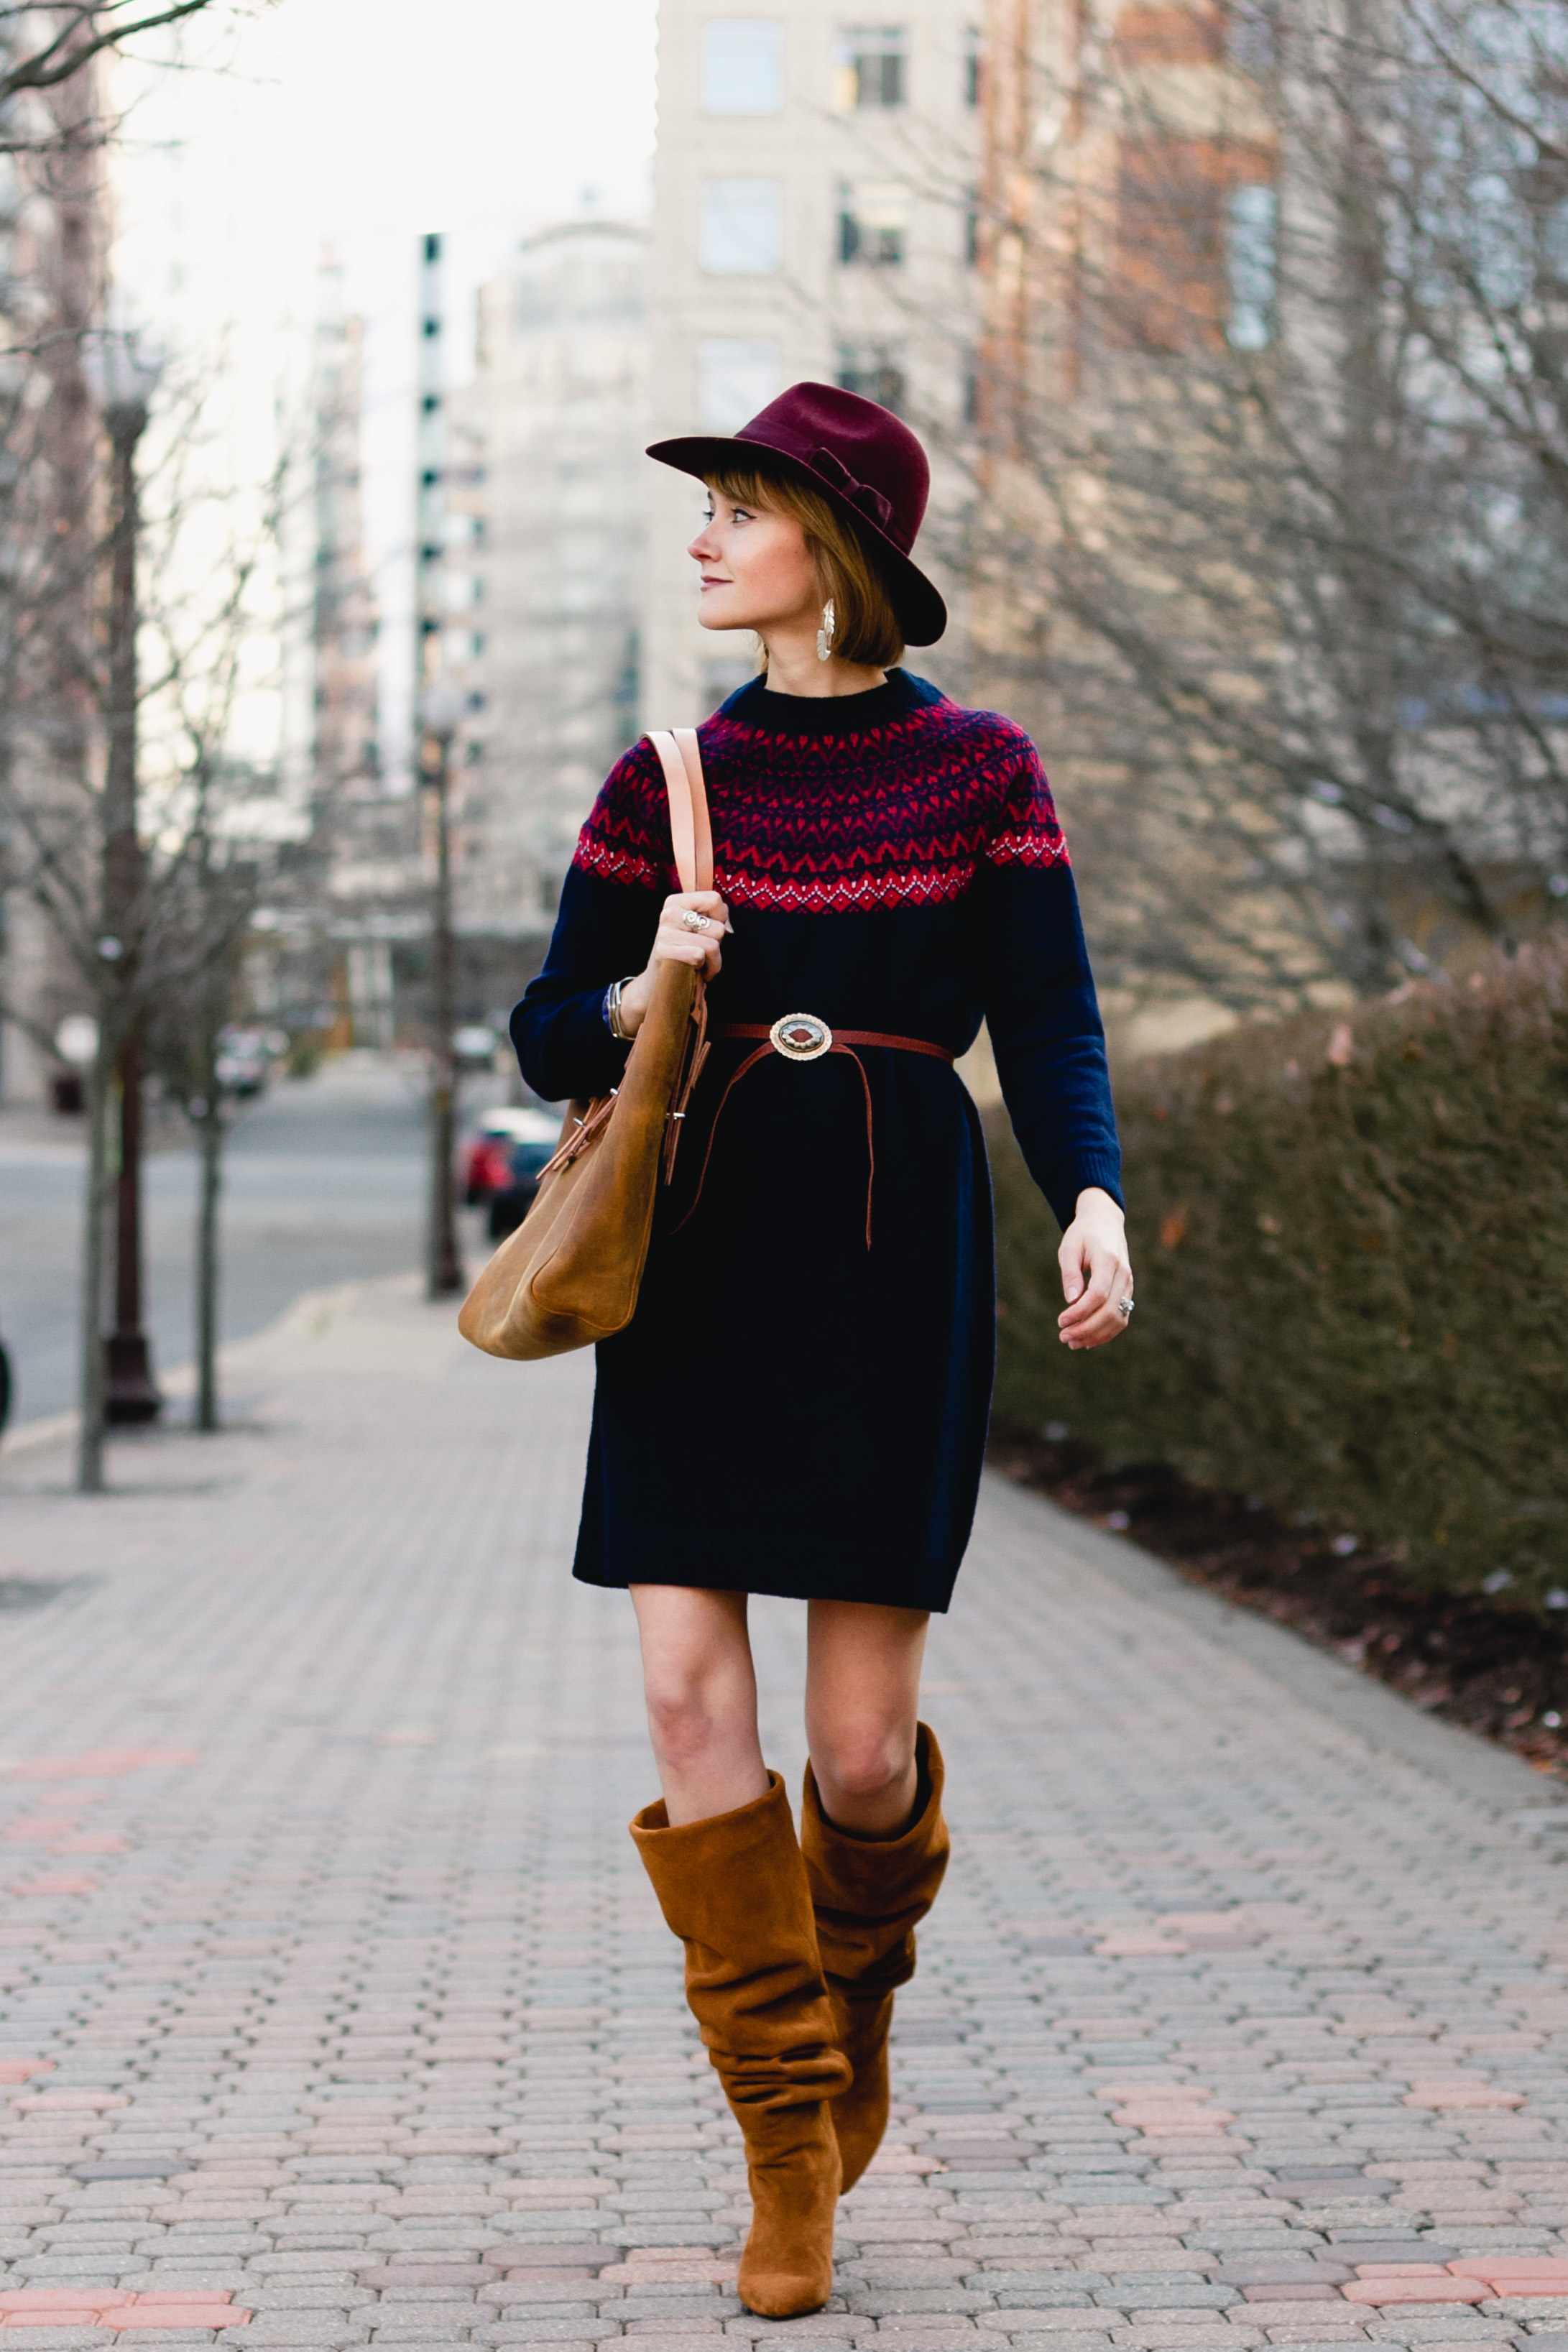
(1496, 1671)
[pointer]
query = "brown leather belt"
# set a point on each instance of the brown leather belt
(803, 1037)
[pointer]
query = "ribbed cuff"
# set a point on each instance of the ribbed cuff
(1100, 1168)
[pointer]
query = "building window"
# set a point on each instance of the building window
(1555, 243)
(743, 65)
(971, 230)
(741, 233)
(734, 379)
(1251, 264)
(873, 224)
(873, 66)
(872, 370)
(973, 39)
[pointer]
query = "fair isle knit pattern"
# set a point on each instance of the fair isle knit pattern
(900, 814)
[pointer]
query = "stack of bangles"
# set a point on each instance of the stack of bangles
(616, 1026)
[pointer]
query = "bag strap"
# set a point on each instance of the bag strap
(702, 830)
(691, 832)
(691, 835)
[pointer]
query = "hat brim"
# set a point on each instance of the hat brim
(920, 612)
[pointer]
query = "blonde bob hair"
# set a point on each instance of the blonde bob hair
(865, 628)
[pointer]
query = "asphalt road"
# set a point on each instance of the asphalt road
(324, 1182)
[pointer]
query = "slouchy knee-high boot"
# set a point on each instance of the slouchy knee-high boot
(734, 1890)
(869, 1895)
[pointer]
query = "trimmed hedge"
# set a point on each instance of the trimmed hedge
(1351, 1241)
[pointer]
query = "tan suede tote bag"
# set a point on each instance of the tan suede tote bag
(570, 1273)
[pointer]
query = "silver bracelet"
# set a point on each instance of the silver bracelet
(617, 1028)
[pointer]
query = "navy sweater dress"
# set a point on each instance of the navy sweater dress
(792, 1411)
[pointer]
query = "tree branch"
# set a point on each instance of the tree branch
(84, 36)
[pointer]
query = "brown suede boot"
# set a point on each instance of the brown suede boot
(869, 1895)
(733, 1889)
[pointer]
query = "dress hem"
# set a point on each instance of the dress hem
(928, 1585)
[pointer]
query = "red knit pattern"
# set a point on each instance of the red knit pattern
(900, 815)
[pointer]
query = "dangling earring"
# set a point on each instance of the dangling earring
(825, 635)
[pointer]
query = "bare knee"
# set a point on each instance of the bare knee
(679, 1724)
(690, 1714)
(868, 1761)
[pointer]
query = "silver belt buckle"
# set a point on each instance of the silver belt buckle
(801, 1037)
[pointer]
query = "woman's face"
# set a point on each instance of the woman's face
(755, 568)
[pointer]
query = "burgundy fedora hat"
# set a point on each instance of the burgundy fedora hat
(854, 452)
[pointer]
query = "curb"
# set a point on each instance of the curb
(304, 1317)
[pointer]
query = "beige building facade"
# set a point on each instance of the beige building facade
(814, 216)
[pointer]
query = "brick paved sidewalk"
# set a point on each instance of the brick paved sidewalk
(1243, 2018)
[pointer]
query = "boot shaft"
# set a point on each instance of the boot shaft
(734, 1890)
(869, 1895)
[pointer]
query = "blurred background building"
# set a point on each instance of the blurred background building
(366, 839)
(815, 215)
(545, 573)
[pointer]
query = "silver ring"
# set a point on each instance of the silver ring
(693, 920)
(1124, 1308)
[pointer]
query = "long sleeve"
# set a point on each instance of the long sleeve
(619, 876)
(1039, 1000)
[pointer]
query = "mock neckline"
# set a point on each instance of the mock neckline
(756, 705)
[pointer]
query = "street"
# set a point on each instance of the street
(324, 1182)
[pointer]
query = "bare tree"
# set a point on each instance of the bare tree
(1274, 483)
(213, 897)
(216, 869)
(148, 892)
(47, 45)
(140, 912)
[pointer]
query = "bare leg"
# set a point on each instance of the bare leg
(862, 1698)
(702, 1693)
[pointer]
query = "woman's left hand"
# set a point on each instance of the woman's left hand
(1096, 1272)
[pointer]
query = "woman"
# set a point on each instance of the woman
(799, 1404)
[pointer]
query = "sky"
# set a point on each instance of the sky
(358, 125)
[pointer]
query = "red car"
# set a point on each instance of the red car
(485, 1166)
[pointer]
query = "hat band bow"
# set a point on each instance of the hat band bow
(873, 503)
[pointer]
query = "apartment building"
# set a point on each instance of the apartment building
(815, 215)
(543, 570)
(366, 843)
(345, 757)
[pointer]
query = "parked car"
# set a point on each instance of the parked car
(244, 1061)
(527, 1155)
(485, 1165)
(474, 1046)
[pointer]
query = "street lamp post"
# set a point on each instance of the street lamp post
(123, 379)
(441, 711)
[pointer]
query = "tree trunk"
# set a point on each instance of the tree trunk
(210, 1135)
(90, 1381)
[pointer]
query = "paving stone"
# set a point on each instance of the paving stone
(540, 2331)
(1070, 2337)
(898, 2303)
(1155, 2333)
(304, 2333)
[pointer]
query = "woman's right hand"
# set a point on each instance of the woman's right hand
(676, 941)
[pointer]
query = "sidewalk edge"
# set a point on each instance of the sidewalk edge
(1460, 1758)
(304, 1314)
